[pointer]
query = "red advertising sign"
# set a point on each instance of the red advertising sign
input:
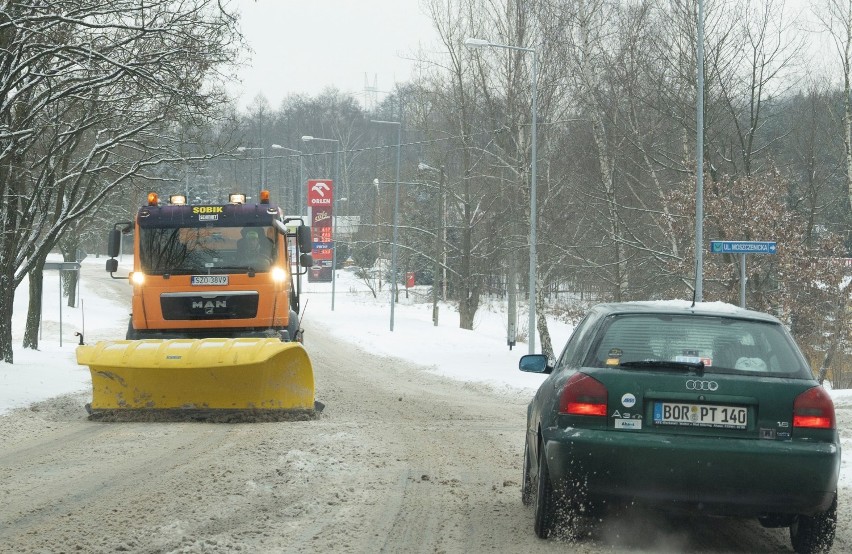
(320, 193)
(321, 217)
(320, 200)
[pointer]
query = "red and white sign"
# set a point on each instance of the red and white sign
(321, 203)
(320, 193)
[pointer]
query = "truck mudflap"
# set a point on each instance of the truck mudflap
(213, 379)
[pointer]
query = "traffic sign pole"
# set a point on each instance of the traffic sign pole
(61, 266)
(742, 247)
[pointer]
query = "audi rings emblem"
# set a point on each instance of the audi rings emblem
(694, 384)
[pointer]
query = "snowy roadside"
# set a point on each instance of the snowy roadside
(479, 356)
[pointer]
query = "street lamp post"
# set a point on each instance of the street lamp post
(482, 43)
(699, 162)
(300, 188)
(262, 161)
(395, 215)
(439, 243)
(308, 138)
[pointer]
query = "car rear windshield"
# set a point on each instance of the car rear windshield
(721, 344)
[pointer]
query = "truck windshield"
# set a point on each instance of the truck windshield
(202, 250)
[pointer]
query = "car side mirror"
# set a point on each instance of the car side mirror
(306, 260)
(534, 363)
(112, 265)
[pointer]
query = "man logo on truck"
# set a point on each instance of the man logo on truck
(209, 306)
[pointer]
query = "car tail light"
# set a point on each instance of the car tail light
(814, 409)
(583, 395)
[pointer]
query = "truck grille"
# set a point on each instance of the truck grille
(192, 306)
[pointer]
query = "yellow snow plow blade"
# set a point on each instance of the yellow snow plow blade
(260, 378)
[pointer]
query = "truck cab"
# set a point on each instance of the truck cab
(214, 270)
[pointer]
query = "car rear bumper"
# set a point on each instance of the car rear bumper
(722, 476)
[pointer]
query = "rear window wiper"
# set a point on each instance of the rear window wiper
(697, 367)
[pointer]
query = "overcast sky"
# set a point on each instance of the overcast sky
(303, 46)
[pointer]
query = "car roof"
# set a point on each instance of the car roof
(683, 307)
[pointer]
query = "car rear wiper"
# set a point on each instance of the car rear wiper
(697, 367)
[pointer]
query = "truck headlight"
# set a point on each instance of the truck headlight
(137, 277)
(279, 274)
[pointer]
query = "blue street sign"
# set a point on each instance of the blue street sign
(742, 247)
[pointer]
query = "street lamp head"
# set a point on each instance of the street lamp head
(241, 148)
(476, 42)
(279, 147)
(307, 138)
(376, 182)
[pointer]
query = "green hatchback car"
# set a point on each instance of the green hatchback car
(700, 408)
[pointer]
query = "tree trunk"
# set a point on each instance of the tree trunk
(68, 279)
(7, 298)
(469, 284)
(9, 218)
(590, 87)
(847, 104)
(541, 323)
(826, 363)
(36, 286)
(620, 264)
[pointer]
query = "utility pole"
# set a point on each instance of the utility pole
(438, 247)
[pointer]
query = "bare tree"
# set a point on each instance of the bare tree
(803, 284)
(466, 195)
(89, 93)
(837, 20)
(815, 165)
(749, 79)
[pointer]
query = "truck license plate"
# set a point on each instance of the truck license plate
(207, 280)
(700, 415)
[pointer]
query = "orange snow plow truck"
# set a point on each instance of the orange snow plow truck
(214, 328)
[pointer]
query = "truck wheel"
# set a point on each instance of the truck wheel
(813, 534)
(293, 327)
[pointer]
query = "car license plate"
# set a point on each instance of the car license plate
(207, 280)
(700, 415)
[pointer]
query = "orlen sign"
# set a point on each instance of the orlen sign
(320, 193)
